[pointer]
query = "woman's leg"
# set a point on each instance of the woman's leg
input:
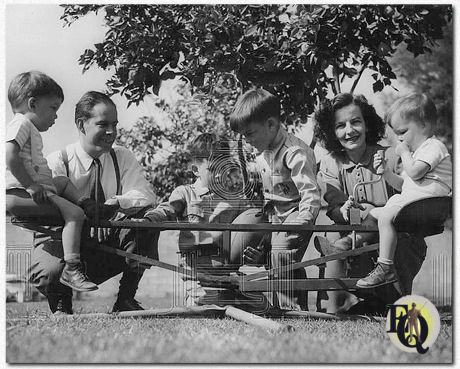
(345, 243)
(338, 301)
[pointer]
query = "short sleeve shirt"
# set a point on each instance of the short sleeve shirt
(22, 131)
(438, 180)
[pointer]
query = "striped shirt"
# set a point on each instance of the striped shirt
(22, 131)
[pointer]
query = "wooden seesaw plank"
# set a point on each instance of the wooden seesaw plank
(207, 279)
(203, 311)
(142, 259)
(292, 314)
(256, 320)
(304, 264)
(172, 312)
(309, 284)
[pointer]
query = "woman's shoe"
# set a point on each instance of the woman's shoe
(324, 247)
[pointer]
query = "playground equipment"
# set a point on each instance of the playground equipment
(422, 218)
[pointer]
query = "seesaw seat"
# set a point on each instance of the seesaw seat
(424, 217)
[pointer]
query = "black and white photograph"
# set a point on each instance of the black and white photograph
(217, 183)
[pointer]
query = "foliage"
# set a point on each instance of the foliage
(160, 142)
(297, 51)
(432, 73)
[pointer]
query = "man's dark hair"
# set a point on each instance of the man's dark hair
(84, 107)
(32, 84)
(255, 105)
(324, 117)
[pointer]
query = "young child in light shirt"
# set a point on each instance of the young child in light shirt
(427, 172)
(35, 98)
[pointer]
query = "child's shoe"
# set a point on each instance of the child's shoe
(324, 247)
(382, 274)
(74, 277)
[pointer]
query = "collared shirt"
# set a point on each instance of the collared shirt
(135, 190)
(196, 204)
(288, 171)
(26, 135)
(339, 175)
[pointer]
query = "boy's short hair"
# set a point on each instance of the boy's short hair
(84, 107)
(32, 84)
(416, 106)
(208, 146)
(255, 105)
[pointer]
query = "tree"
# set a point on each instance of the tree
(431, 73)
(296, 51)
(161, 142)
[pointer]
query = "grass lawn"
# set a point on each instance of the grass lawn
(42, 339)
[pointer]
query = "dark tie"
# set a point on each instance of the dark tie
(97, 193)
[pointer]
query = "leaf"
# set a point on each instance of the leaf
(284, 18)
(377, 86)
(350, 72)
(168, 74)
(250, 31)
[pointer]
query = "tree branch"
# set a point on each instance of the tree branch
(363, 68)
(335, 73)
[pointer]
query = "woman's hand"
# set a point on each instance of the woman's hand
(401, 148)
(380, 162)
(350, 203)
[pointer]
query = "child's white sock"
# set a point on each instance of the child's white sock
(72, 258)
(385, 261)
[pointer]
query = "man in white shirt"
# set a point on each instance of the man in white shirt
(124, 190)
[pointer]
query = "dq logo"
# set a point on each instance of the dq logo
(413, 324)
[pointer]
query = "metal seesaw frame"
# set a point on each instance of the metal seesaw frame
(261, 281)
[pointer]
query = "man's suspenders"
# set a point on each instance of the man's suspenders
(65, 159)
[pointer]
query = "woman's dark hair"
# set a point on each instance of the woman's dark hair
(87, 102)
(324, 118)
